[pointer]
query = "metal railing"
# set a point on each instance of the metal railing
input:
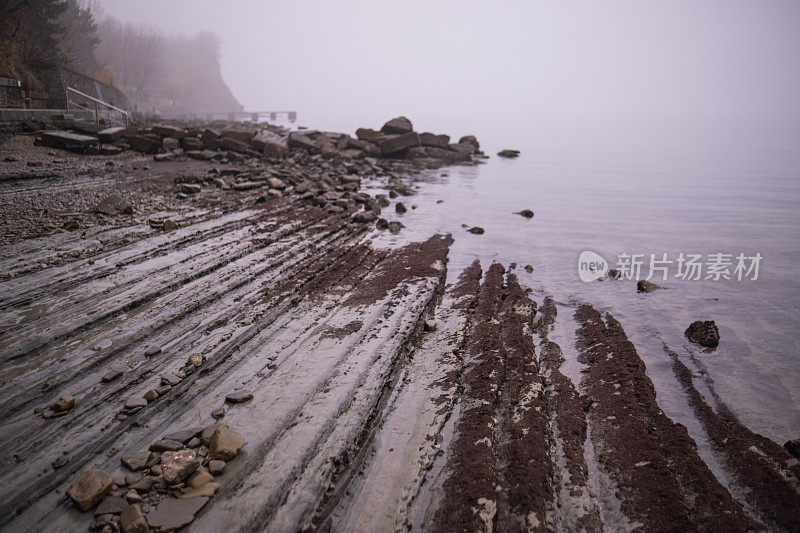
(97, 103)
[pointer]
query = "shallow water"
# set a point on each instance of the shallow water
(640, 190)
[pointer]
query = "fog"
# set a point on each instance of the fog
(348, 63)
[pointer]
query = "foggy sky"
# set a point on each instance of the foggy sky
(347, 63)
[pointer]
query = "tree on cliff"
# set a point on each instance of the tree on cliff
(30, 36)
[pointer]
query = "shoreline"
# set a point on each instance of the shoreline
(352, 387)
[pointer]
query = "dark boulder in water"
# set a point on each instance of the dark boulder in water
(704, 333)
(508, 153)
(646, 286)
(527, 213)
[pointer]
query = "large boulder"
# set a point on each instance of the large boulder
(430, 139)
(397, 126)
(89, 488)
(168, 131)
(471, 140)
(368, 135)
(210, 139)
(148, 144)
(704, 333)
(298, 140)
(243, 136)
(110, 134)
(392, 144)
(234, 144)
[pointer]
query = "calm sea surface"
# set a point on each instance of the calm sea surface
(647, 190)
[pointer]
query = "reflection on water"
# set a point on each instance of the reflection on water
(737, 192)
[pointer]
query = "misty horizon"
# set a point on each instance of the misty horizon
(353, 63)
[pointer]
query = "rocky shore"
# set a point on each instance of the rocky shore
(198, 331)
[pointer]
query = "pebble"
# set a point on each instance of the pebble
(177, 466)
(196, 360)
(527, 213)
(144, 484)
(134, 402)
(218, 413)
(216, 467)
(225, 443)
(64, 403)
(239, 396)
(132, 496)
(60, 461)
(111, 375)
(476, 230)
(169, 225)
(184, 435)
(430, 325)
(152, 350)
(150, 395)
(198, 479)
(132, 520)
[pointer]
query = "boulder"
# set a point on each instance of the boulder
(147, 144)
(89, 488)
(793, 447)
(298, 140)
(325, 146)
(471, 140)
(392, 144)
(646, 286)
(225, 443)
(170, 143)
(463, 148)
(168, 131)
(266, 137)
(177, 466)
(368, 135)
(210, 139)
(110, 134)
(216, 467)
(192, 143)
(243, 136)
(63, 139)
(173, 513)
(240, 396)
(508, 153)
(704, 333)
(527, 213)
(365, 216)
(234, 144)
(397, 126)
(430, 139)
(476, 230)
(113, 205)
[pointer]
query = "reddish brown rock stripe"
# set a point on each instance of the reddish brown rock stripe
(663, 483)
(499, 467)
(522, 445)
(768, 472)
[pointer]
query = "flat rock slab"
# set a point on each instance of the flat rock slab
(174, 514)
(61, 139)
